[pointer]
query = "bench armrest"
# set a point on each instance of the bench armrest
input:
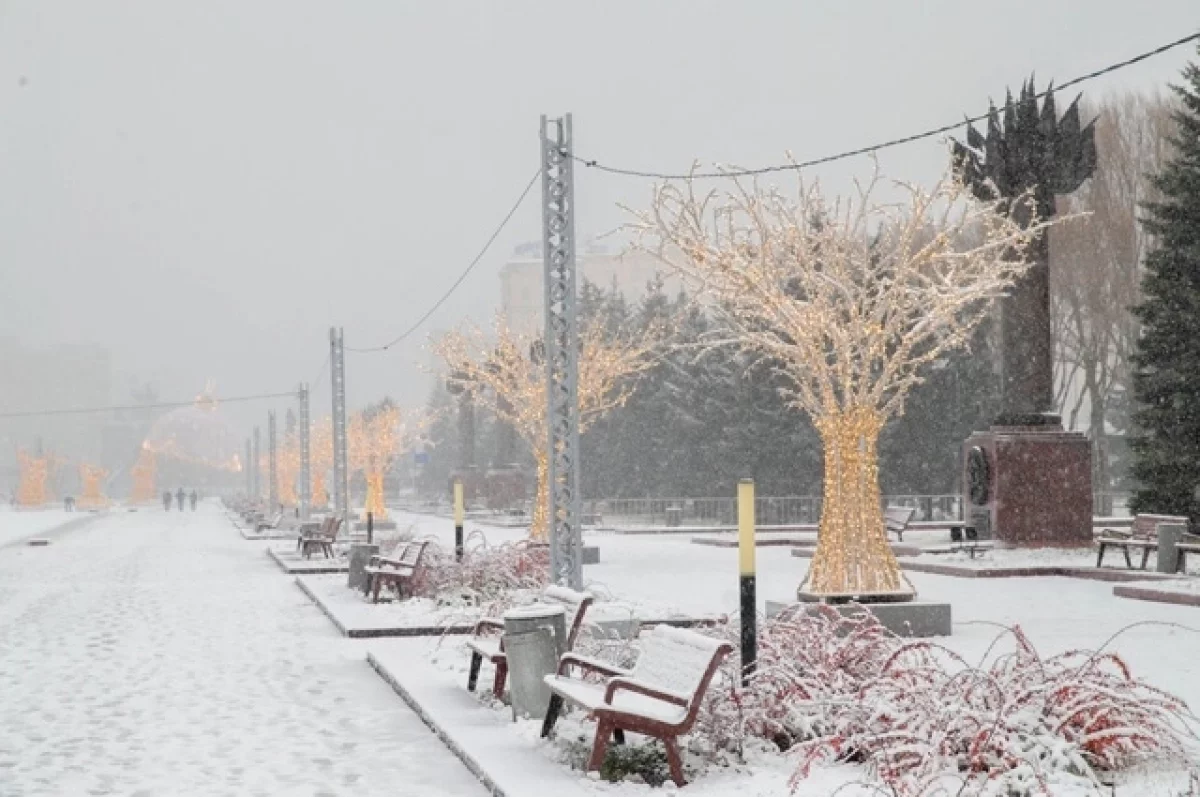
(488, 624)
(630, 685)
(589, 664)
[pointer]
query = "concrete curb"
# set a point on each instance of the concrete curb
(454, 747)
(302, 568)
(1157, 595)
(377, 633)
(67, 526)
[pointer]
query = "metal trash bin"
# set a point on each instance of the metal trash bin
(360, 557)
(534, 639)
(1169, 535)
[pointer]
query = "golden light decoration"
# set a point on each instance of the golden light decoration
(196, 434)
(507, 375)
(92, 477)
(374, 440)
(287, 468)
(33, 474)
(143, 474)
(848, 301)
(320, 459)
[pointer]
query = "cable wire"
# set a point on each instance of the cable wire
(895, 142)
(491, 239)
(157, 406)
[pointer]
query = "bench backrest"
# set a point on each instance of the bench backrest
(896, 518)
(574, 603)
(679, 662)
(1146, 526)
(412, 554)
(333, 527)
(276, 518)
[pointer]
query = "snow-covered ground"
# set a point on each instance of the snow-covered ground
(18, 524)
(1057, 613)
(161, 654)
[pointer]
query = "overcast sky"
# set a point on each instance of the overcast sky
(205, 187)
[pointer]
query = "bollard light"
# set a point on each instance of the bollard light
(458, 520)
(747, 576)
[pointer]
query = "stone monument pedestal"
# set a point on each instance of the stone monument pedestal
(1029, 486)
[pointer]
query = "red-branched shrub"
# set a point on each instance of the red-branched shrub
(831, 688)
(488, 572)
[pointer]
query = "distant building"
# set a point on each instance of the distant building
(521, 290)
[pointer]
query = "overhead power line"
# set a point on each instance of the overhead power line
(157, 406)
(895, 142)
(470, 266)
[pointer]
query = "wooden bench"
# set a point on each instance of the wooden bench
(487, 641)
(896, 520)
(321, 540)
(272, 523)
(1188, 543)
(1142, 536)
(659, 697)
(394, 571)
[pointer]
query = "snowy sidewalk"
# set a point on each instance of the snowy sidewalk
(161, 654)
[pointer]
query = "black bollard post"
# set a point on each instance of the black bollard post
(370, 528)
(458, 521)
(747, 577)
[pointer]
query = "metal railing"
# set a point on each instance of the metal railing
(769, 511)
(784, 511)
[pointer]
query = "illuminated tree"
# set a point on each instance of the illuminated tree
(847, 301)
(33, 472)
(321, 459)
(508, 376)
(375, 438)
(92, 477)
(143, 474)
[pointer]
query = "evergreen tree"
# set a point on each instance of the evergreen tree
(1166, 380)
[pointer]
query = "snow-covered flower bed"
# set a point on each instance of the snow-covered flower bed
(844, 696)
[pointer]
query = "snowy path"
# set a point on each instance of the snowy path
(161, 654)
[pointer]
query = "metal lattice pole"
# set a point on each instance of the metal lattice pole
(254, 465)
(272, 464)
(305, 456)
(341, 475)
(249, 471)
(562, 351)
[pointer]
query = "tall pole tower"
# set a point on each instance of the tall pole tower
(248, 465)
(305, 455)
(254, 464)
(337, 378)
(272, 464)
(562, 350)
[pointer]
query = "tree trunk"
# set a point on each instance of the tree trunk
(539, 527)
(853, 557)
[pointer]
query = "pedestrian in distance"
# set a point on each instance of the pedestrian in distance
(192, 498)
(166, 500)
(180, 496)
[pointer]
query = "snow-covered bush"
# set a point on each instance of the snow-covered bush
(830, 688)
(489, 572)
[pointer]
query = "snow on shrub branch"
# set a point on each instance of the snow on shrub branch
(830, 688)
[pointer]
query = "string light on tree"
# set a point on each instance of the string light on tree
(33, 473)
(507, 375)
(143, 474)
(848, 300)
(376, 438)
(321, 457)
(92, 477)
